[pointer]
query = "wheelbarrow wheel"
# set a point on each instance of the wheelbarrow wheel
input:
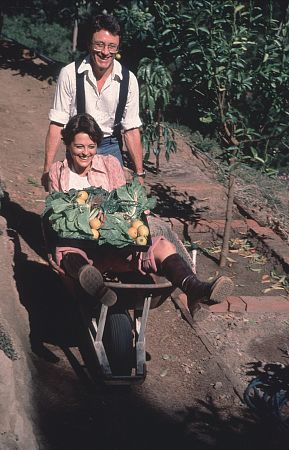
(118, 343)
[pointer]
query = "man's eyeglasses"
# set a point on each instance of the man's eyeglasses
(99, 46)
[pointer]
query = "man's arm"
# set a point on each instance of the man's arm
(133, 144)
(52, 142)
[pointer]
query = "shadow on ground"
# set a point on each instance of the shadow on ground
(172, 203)
(178, 205)
(75, 415)
(102, 418)
(26, 224)
(23, 63)
(115, 419)
(51, 312)
(40, 290)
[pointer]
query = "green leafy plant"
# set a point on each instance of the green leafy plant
(137, 22)
(230, 63)
(155, 80)
(69, 219)
(51, 40)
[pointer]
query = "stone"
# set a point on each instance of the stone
(7, 392)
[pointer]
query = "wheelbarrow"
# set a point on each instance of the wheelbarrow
(111, 341)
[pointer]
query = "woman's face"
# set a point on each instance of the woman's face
(82, 150)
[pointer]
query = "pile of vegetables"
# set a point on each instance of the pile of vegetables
(112, 218)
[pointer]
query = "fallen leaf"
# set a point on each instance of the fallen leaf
(277, 286)
(265, 277)
(267, 290)
(231, 260)
(282, 279)
(274, 288)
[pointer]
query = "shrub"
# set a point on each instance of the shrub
(51, 40)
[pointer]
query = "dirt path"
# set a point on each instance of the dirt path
(187, 401)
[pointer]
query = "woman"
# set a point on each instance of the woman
(83, 168)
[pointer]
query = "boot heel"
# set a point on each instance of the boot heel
(221, 289)
(199, 312)
(91, 280)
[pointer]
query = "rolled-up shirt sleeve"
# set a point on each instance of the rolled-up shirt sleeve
(64, 97)
(54, 176)
(131, 117)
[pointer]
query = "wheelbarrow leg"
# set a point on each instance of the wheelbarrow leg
(97, 341)
(140, 344)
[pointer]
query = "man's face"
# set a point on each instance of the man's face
(103, 48)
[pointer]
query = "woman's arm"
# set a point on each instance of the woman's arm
(115, 172)
(54, 177)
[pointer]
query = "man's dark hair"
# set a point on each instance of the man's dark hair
(104, 22)
(81, 123)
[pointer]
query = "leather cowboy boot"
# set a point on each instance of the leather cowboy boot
(201, 292)
(90, 279)
(176, 270)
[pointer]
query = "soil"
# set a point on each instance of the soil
(196, 376)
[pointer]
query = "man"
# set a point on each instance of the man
(102, 80)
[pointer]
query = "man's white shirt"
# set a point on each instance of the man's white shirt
(100, 105)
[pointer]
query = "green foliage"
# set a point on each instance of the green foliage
(155, 83)
(52, 40)
(237, 60)
(62, 12)
(137, 22)
(230, 61)
(230, 71)
(132, 199)
(47, 25)
(139, 28)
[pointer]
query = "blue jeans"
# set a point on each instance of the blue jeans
(110, 146)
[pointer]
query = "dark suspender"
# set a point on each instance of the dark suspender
(123, 92)
(80, 95)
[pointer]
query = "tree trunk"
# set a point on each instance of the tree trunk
(228, 221)
(74, 38)
(159, 142)
(157, 163)
(1, 20)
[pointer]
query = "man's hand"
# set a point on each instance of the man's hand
(53, 139)
(132, 139)
(141, 180)
(45, 181)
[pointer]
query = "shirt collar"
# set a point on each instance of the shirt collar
(85, 65)
(97, 164)
(117, 70)
(116, 73)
